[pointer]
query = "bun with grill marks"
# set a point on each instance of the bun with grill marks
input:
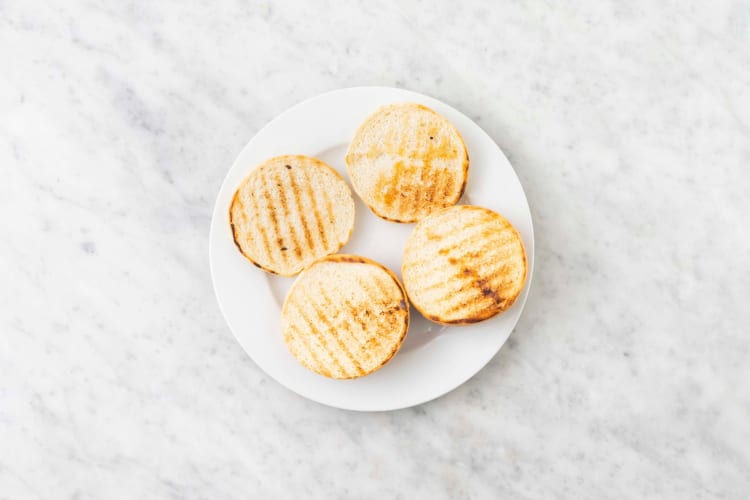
(407, 161)
(289, 212)
(463, 264)
(345, 316)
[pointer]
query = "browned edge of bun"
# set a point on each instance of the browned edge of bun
(236, 243)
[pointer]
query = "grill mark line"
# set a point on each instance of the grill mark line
(272, 214)
(262, 230)
(298, 203)
(285, 205)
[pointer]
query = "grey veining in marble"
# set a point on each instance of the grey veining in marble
(628, 375)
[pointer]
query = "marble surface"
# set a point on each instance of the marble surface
(628, 375)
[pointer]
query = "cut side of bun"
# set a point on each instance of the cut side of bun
(289, 212)
(406, 161)
(463, 265)
(345, 317)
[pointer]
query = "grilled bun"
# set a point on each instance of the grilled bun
(289, 212)
(406, 161)
(463, 264)
(345, 316)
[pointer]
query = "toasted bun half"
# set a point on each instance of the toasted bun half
(289, 212)
(345, 316)
(406, 161)
(463, 264)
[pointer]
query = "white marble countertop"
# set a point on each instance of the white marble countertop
(628, 375)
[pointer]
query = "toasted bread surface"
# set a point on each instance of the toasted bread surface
(289, 212)
(345, 316)
(407, 161)
(463, 264)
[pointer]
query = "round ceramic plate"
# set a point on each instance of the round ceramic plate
(434, 359)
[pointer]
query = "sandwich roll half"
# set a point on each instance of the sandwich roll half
(289, 212)
(463, 264)
(406, 161)
(345, 317)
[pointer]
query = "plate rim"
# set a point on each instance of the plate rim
(215, 216)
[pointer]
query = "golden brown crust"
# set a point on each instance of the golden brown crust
(466, 169)
(356, 259)
(341, 324)
(463, 265)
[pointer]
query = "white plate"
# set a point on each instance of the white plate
(434, 359)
